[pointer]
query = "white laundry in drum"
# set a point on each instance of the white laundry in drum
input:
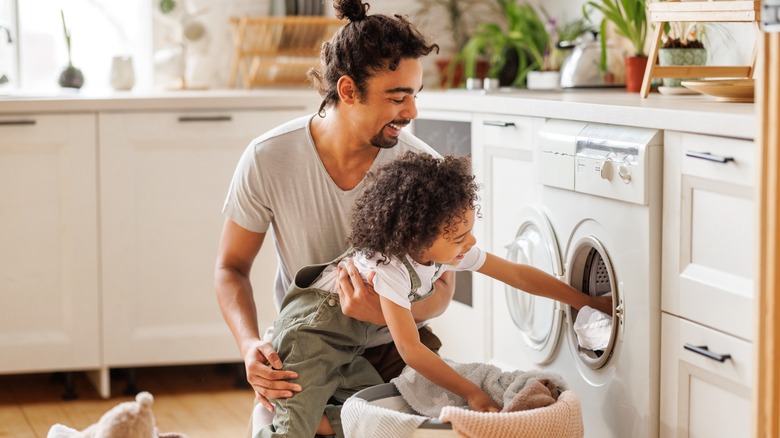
(593, 329)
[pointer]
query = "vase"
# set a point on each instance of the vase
(122, 73)
(680, 56)
(543, 80)
(71, 77)
(635, 73)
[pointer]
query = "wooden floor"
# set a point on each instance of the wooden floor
(199, 401)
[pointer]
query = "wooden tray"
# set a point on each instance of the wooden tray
(727, 90)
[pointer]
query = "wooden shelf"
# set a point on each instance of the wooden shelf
(277, 50)
(703, 11)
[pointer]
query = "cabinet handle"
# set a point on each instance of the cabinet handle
(704, 351)
(186, 119)
(709, 156)
(17, 122)
(497, 123)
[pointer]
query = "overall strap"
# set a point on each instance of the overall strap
(307, 274)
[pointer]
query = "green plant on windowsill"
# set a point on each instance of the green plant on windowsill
(71, 77)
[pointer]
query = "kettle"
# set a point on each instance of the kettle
(580, 68)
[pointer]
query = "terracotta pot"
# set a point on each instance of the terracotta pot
(445, 81)
(635, 73)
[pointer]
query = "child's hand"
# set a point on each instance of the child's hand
(602, 303)
(483, 403)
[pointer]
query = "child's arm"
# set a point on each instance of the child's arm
(537, 282)
(423, 360)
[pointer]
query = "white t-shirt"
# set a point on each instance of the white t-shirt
(392, 279)
(281, 183)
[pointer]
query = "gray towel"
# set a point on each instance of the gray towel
(428, 398)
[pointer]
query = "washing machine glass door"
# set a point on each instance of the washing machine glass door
(539, 319)
(591, 271)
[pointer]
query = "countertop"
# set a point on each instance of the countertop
(689, 113)
(697, 113)
(271, 98)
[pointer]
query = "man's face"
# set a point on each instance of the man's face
(389, 103)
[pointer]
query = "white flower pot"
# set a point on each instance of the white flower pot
(543, 80)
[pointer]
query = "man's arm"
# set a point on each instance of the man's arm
(238, 248)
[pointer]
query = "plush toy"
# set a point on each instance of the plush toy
(133, 419)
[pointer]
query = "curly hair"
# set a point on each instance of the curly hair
(406, 202)
(366, 45)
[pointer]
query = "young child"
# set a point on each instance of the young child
(413, 222)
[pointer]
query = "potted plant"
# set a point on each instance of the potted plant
(629, 18)
(71, 77)
(683, 44)
(512, 49)
(548, 75)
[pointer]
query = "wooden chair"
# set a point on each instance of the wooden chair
(703, 11)
(277, 50)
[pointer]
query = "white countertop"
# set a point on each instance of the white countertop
(271, 98)
(689, 113)
(698, 114)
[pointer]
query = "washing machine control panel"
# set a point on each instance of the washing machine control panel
(612, 161)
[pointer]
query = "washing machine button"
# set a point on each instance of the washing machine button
(606, 170)
(624, 170)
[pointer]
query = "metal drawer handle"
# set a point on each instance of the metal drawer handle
(17, 122)
(709, 156)
(704, 351)
(498, 123)
(185, 119)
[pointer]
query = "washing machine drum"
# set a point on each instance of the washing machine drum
(590, 271)
(539, 319)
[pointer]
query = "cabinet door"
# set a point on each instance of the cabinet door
(48, 243)
(504, 146)
(164, 177)
(709, 231)
(700, 395)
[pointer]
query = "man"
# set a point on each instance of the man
(303, 178)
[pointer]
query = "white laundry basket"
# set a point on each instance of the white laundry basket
(387, 396)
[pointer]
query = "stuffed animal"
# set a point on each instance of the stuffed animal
(133, 419)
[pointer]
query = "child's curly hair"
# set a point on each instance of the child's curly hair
(407, 201)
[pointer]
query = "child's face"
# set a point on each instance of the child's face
(453, 241)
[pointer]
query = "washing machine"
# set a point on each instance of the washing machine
(599, 229)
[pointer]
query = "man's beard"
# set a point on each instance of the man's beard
(380, 141)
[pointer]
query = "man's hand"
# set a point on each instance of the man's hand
(358, 299)
(264, 373)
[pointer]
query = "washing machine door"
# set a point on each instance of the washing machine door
(590, 270)
(539, 319)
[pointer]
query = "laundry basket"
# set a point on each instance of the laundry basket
(562, 419)
(387, 396)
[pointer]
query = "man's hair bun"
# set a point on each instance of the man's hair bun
(352, 10)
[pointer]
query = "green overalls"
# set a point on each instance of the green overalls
(316, 340)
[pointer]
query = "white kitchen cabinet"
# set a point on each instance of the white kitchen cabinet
(49, 311)
(702, 396)
(164, 177)
(707, 286)
(503, 148)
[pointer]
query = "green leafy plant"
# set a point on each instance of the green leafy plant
(629, 18)
(524, 33)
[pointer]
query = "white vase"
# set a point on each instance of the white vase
(122, 73)
(543, 80)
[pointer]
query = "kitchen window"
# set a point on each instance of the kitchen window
(99, 30)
